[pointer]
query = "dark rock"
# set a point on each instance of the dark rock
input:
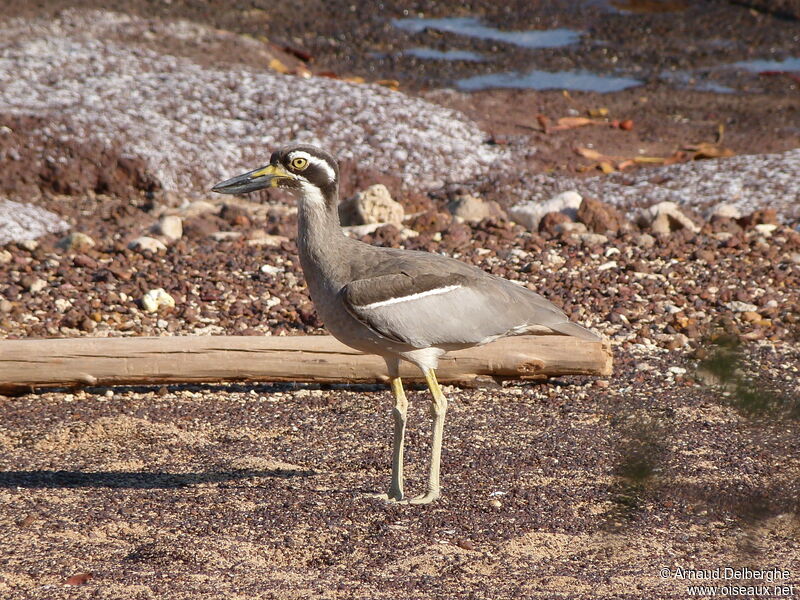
(764, 216)
(600, 217)
(429, 222)
(551, 220)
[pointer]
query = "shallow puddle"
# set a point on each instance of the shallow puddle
(472, 27)
(642, 7)
(760, 65)
(579, 81)
(432, 54)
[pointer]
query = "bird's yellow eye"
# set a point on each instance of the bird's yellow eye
(299, 163)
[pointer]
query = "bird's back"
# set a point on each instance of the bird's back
(424, 299)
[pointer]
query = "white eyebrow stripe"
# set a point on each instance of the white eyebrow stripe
(313, 160)
(411, 297)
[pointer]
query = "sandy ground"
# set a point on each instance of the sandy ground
(262, 492)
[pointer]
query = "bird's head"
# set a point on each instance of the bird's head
(311, 173)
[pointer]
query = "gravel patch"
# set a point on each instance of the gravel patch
(20, 222)
(748, 183)
(195, 125)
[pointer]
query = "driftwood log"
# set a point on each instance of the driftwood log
(29, 364)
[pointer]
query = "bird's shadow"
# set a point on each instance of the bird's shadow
(134, 479)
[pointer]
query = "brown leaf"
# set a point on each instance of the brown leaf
(390, 83)
(649, 160)
(544, 122)
(303, 55)
(625, 164)
(589, 153)
(278, 66)
(709, 150)
(573, 122)
(79, 579)
(27, 521)
(465, 544)
(606, 167)
(598, 112)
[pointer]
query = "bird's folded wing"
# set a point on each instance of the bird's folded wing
(429, 309)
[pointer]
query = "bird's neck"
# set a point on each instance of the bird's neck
(319, 237)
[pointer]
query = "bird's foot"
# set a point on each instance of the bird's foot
(393, 495)
(425, 498)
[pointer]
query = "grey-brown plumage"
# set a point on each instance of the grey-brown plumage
(400, 304)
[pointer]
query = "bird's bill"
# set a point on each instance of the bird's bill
(258, 179)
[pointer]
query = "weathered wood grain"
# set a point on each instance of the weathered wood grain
(30, 364)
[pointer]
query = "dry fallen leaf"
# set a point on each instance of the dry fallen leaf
(573, 122)
(598, 112)
(544, 122)
(79, 579)
(278, 66)
(302, 71)
(392, 84)
(708, 150)
(649, 160)
(590, 154)
(606, 167)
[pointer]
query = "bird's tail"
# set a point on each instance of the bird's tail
(575, 330)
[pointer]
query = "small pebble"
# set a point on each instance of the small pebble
(155, 299)
(145, 243)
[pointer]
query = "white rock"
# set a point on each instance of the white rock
(273, 241)
(612, 264)
(677, 370)
(765, 229)
(726, 210)
(76, 241)
(645, 240)
(737, 306)
(593, 238)
(198, 207)
(144, 243)
(530, 213)
(62, 305)
(470, 208)
(665, 217)
(375, 205)
(5, 257)
(37, 285)
(155, 299)
(170, 226)
(222, 236)
(553, 260)
(30, 245)
(271, 270)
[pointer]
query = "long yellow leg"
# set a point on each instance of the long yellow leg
(395, 493)
(438, 411)
(399, 416)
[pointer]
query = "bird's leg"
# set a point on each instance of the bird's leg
(438, 411)
(399, 415)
